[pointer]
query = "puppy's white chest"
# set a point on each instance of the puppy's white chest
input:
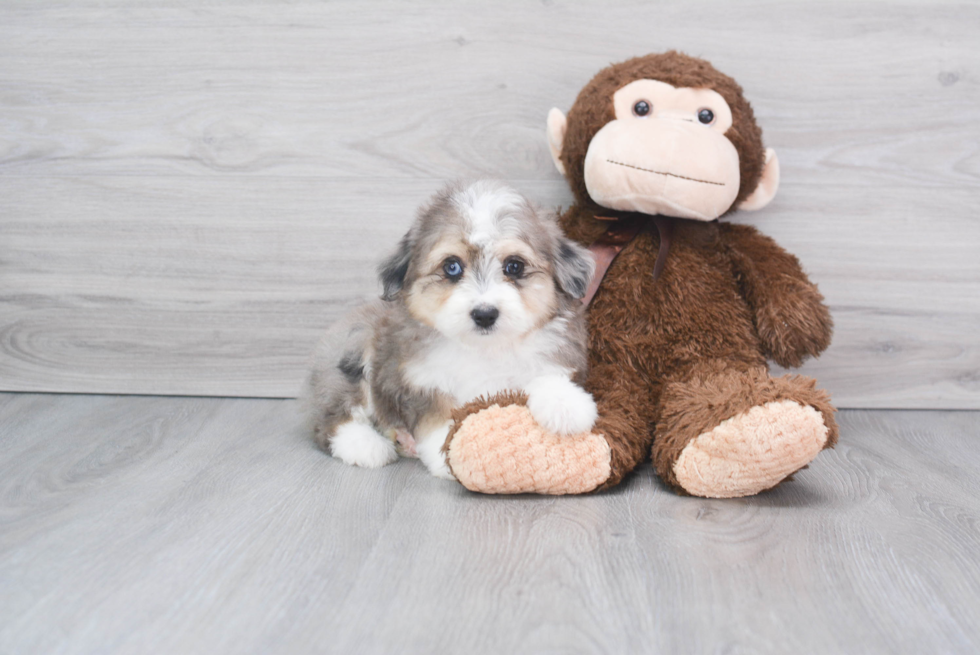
(466, 373)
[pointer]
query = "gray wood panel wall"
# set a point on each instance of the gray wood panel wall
(191, 191)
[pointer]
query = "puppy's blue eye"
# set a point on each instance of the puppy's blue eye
(453, 269)
(513, 268)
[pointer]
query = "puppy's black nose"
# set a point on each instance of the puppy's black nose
(485, 317)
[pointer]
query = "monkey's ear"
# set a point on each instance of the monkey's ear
(574, 267)
(393, 270)
(557, 123)
(768, 184)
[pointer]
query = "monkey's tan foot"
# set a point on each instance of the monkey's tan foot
(737, 434)
(751, 452)
(496, 447)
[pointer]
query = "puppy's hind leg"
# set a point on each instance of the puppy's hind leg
(344, 428)
(357, 443)
(338, 397)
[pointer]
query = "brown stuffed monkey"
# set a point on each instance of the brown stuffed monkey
(689, 310)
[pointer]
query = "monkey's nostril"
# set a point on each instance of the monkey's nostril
(485, 317)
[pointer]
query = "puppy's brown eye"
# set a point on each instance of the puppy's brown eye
(453, 268)
(514, 268)
(641, 108)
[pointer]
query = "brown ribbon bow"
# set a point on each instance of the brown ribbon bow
(619, 234)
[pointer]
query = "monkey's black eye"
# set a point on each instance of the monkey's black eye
(706, 116)
(453, 269)
(641, 108)
(513, 268)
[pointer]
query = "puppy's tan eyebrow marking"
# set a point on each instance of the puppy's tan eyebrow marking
(443, 250)
(518, 248)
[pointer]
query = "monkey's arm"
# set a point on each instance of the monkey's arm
(790, 315)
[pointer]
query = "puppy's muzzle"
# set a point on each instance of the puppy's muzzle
(485, 316)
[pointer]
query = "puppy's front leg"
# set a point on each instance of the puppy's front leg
(429, 449)
(560, 405)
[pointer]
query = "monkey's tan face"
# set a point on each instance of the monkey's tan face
(665, 153)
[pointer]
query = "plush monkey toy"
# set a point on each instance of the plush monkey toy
(689, 310)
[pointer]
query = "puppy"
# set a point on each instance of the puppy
(481, 296)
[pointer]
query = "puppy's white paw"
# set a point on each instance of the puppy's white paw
(358, 444)
(430, 453)
(560, 405)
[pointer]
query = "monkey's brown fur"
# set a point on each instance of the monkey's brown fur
(672, 358)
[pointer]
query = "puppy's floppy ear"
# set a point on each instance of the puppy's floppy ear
(393, 270)
(574, 267)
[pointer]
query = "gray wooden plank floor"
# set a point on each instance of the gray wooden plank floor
(191, 525)
(191, 191)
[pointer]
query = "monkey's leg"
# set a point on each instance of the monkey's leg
(497, 447)
(729, 433)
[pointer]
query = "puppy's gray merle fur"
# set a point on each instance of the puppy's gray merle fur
(481, 295)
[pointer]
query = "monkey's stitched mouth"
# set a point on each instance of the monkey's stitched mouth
(647, 170)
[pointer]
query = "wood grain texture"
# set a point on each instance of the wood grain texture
(136, 524)
(189, 192)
